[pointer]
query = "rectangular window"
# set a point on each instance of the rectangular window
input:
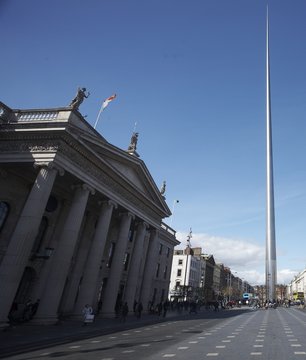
(165, 272)
(168, 252)
(160, 249)
(110, 255)
(180, 262)
(179, 272)
(126, 261)
(157, 270)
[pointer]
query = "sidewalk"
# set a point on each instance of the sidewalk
(26, 337)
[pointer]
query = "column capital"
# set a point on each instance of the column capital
(143, 223)
(49, 165)
(108, 203)
(84, 187)
(128, 214)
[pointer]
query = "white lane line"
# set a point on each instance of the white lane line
(260, 336)
(212, 354)
(183, 348)
(299, 353)
(145, 345)
(231, 336)
(259, 340)
(258, 346)
(44, 354)
(95, 341)
(220, 346)
(192, 342)
(74, 347)
(126, 334)
(169, 336)
(256, 353)
(169, 355)
(127, 351)
(292, 339)
(227, 341)
(112, 337)
(296, 345)
(201, 337)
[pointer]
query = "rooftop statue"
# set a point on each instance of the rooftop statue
(133, 144)
(163, 188)
(79, 98)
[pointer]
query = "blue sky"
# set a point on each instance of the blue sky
(192, 75)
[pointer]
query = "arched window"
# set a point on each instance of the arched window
(4, 211)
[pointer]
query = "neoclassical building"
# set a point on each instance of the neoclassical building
(81, 221)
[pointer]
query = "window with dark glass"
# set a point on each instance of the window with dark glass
(168, 252)
(179, 272)
(157, 270)
(180, 262)
(4, 211)
(160, 249)
(110, 255)
(165, 271)
(126, 260)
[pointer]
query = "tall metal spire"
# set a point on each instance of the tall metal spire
(270, 231)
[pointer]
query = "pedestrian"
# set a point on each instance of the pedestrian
(124, 311)
(139, 309)
(88, 315)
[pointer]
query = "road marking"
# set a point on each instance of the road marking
(137, 331)
(127, 351)
(212, 354)
(44, 354)
(220, 346)
(207, 333)
(231, 336)
(126, 334)
(169, 336)
(226, 341)
(183, 348)
(257, 346)
(74, 347)
(256, 353)
(192, 342)
(299, 353)
(145, 345)
(112, 337)
(260, 336)
(292, 339)
(259, 340)
(95, 341)
(290, 335)
(169, 355)
(296, 345)
(201, 337)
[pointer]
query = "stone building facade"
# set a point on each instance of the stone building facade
(81, 221)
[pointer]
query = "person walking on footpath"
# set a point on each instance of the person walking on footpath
(88, 315)
(124, 312)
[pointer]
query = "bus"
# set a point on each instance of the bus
(299, 295)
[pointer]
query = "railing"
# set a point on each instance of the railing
(168, 229)
(37, 115)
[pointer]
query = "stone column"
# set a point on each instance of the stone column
(79, 260)
(91, 273)
(48, 307)
(149, 268)
(23, 237)
(133, 275)
(117, 265)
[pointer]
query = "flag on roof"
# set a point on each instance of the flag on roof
(107, 101)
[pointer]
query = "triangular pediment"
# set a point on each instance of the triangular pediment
(131, 169)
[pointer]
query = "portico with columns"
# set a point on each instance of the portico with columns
(81, 220)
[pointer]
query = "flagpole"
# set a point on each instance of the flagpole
(98, 117)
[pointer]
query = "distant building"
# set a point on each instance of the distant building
(81, 221)
(296, 289)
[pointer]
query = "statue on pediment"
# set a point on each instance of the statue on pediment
(133, 145)
(79, 98)
(163, 188)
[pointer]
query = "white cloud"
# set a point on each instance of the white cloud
(241, 256)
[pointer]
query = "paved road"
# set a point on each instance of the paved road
(232, 335)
